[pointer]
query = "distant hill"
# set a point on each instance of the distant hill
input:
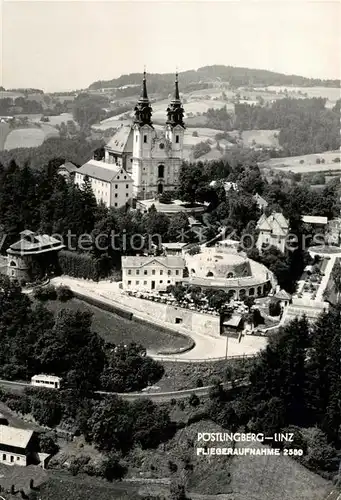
(236, 77)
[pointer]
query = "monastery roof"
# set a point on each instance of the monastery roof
(169, 261)
(11, 436)
(119, 141)
(312, 219)
(101, 170)
(31, 243)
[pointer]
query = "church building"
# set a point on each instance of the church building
(150, 159)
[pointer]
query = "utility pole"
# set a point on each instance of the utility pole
(227, 344)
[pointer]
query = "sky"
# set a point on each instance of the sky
(65, 45)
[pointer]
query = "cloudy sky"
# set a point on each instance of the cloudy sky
(65, 45)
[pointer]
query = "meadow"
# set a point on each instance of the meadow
(293, 163)
(115, 329)
(24, 138)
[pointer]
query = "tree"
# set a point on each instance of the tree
(112, 467)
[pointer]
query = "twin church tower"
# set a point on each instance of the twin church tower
(152, 158)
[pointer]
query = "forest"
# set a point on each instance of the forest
(235, 76)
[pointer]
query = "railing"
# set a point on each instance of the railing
(207, 360)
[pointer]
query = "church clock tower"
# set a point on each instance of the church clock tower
(175, 127)
(142, 139)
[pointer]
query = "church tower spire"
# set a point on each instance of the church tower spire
(143, 110)
(175, 111)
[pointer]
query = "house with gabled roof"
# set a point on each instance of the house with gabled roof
(111, 183)
(273, 231)
(17, 446)
(145, 273)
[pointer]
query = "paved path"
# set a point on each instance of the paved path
(325, 277)
(207, 347)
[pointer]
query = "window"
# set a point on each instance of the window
(127, 194)
(129, 282)
(12, 458)
(115, 204)
(115, 195)
(145, 139)
(137, 272)
(4, 456)
(18, 458)
(118, 177)
(145, 282)
(161, 281)
(153, 271)
(161, 272)
(177, 139)
(125, 177)
(168, 281)
(129, 271)
(136, 138)
(161, 171)
(145, 272)
(137, 282)
(177, 272)
(127, 185)
(116, 186)
(169, 272)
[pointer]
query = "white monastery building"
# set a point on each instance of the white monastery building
(151, 273)
(139, 162)
(111, 184)
(273, 231)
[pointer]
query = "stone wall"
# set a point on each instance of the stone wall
(205, 324)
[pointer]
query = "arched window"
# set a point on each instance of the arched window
(209, 274)
(161, 171)
(160, 188)
(229, 275)
(251, 291)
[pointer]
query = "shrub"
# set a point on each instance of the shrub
(47, 444)
(337, 160)
(194, 400)
(274, 308)
(194, 250)
(64, 293)
(45, 293)
(166, 197)
(112, 468)
(78, 463)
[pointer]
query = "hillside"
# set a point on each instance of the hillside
(236, 77)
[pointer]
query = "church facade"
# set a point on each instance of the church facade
(152, 158)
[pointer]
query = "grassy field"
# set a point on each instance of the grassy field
(292, 163)
(24, 138)
(180, 376)
(117, 330)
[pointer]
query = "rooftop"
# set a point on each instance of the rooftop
(276, 223)
(11, 436)
(119, 141)
(70, 167)
(169, 261)
(32, 243)
(314, 219)
(100, 170)
(53, 378)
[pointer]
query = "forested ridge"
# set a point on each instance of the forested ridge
(234, 75)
